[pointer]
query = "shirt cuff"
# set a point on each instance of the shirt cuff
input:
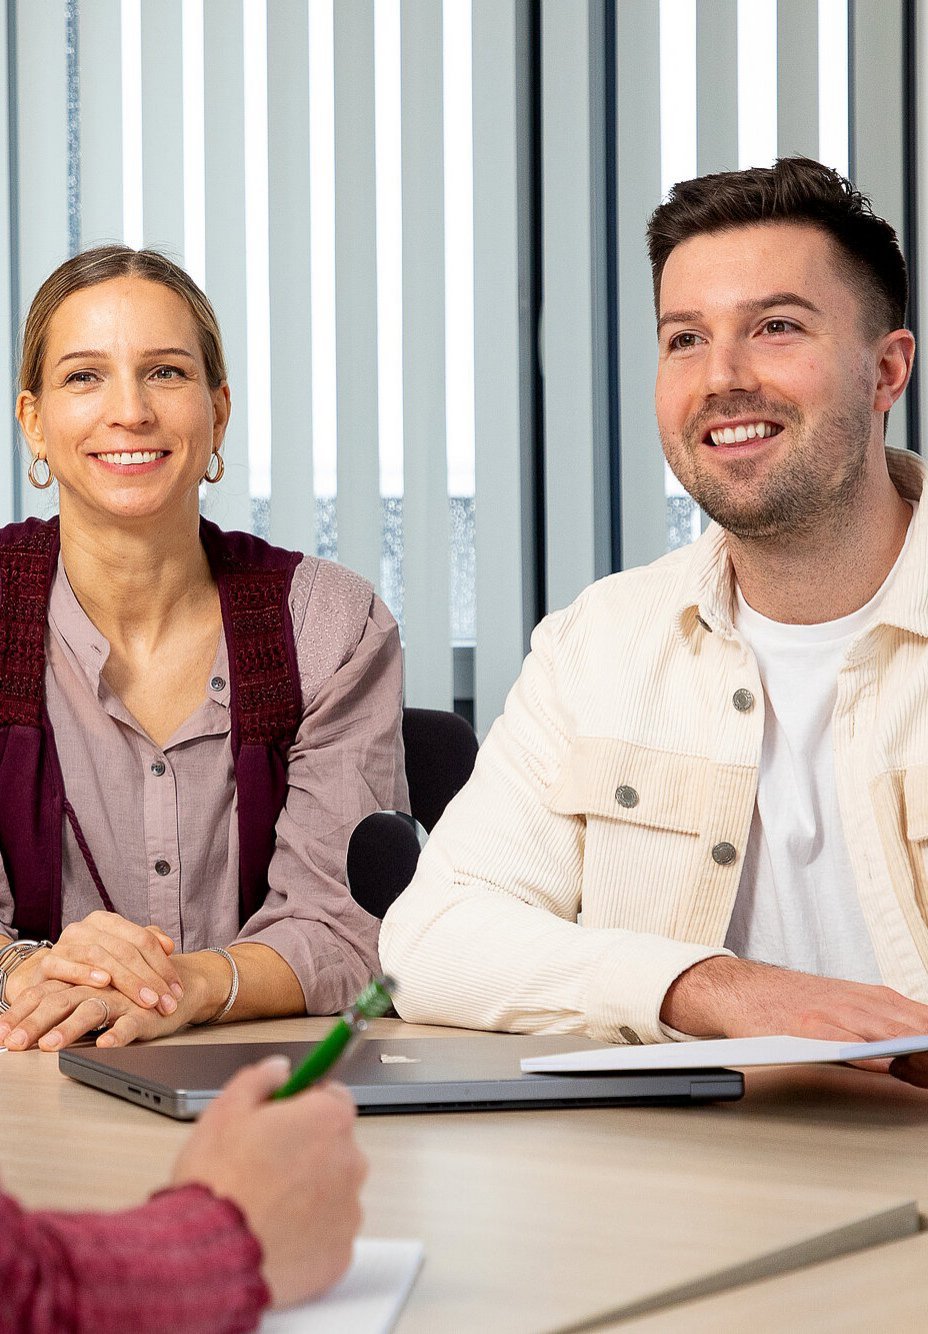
(628, 987)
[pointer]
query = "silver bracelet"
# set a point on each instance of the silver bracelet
(11, 956)
(233, 990)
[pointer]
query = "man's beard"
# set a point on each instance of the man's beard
(796, 494)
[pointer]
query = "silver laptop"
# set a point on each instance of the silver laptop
(466, 1072)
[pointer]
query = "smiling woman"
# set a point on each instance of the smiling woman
(191, 721)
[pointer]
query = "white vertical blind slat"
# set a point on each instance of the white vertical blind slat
(292, 499)
(429, 682)
(575, 403)
(503, 343)
(100, 67)
(878, 136)
(716, 86)
(12, 466)
(644, 507)
(163, 126)
(797, 77)
(42, 148)
(229, 502)
(358, 497)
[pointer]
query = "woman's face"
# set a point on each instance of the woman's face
(125, 417)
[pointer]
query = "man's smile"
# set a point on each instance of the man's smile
(736, 433)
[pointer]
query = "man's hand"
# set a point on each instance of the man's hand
(735, 998)
(106, 950)
(292, 1167)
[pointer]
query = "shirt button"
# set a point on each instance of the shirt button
(158, 768)
(743, 700)
(163, 867)
(724, 854)
(626, 796)
(217, 683)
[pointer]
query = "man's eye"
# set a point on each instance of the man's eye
(682, 342)
(779, 326)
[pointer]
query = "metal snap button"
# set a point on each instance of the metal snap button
(163, 867)
(630, 1035)
(724, 854)
(158, 768)
(743, 700)
(626, 796)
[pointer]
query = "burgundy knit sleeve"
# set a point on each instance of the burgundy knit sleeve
(185, 1261)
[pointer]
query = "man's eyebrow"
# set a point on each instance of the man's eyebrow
(748, 307)
(92, 353)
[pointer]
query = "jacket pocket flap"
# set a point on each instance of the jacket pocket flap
(915, 786)
(637, 784)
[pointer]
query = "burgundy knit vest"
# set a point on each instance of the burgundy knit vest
(254, 580)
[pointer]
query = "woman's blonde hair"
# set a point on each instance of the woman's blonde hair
(97, 266)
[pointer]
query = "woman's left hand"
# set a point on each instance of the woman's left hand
(53, 1014)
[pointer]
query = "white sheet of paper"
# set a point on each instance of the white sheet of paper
(369, 1298)
(720, 1052)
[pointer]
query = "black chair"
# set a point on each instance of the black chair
(383, 849)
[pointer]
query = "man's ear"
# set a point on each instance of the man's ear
(897, 354)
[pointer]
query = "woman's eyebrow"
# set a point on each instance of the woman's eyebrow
(92, 352)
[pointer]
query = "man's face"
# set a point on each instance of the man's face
(766, 381)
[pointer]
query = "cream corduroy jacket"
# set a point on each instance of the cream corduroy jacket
(620, 780)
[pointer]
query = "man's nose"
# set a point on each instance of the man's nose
(730, 367)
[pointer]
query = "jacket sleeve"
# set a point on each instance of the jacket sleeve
(185, 1261)
(487, 935)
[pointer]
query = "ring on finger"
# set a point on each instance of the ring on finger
(98, 1000)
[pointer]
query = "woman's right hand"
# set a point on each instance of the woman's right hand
(292, 1167)
(106, 950)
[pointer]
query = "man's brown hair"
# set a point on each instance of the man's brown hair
(799, 190)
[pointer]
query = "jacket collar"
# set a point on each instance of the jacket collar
(707, 595)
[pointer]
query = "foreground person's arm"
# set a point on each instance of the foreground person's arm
(264, 1209)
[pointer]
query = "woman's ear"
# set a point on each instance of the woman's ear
(222, 410)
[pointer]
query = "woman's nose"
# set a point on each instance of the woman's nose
(128, 403)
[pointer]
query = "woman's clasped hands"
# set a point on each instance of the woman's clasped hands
(103, 972)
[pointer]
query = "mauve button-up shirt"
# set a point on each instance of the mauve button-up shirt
(162, 822)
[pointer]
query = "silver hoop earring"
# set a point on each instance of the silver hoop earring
(34, 481)
(216, 476)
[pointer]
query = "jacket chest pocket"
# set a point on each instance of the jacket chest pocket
(914, 793)
(643, 810)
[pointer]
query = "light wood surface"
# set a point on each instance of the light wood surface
(879, 1289)
(537, 1221)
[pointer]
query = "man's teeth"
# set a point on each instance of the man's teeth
(139, 456)
(736, 435)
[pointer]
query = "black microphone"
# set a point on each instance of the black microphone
(382, 854)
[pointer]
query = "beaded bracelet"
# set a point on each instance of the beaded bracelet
(233, 990)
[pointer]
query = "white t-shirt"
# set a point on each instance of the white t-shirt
(797, 903)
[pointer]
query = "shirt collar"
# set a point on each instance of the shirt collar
(707, 596)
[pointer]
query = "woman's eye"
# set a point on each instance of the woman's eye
(168, 373)
(81, 377)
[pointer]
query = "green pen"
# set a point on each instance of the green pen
(373, 1001)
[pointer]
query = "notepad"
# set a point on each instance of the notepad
(368, 1300)
(721, 1052)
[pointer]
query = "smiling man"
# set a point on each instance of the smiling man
(721, 760)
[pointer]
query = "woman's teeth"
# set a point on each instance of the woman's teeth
(140, 456)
